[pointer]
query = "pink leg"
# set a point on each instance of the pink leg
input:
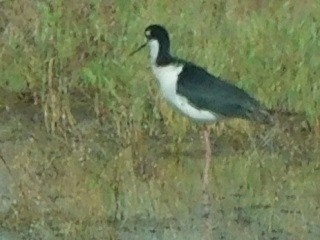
(206, 182)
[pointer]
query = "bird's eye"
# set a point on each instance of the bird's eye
(148, 33)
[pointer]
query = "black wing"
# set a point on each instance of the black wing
(205, 91)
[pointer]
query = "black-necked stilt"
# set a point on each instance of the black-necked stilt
(195, 93)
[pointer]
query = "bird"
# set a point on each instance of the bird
(197, 94)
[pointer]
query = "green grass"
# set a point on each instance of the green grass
(148, 166)
(267, 48)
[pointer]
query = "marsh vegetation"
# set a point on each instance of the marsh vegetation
(89, 150)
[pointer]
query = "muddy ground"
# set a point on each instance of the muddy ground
(91, 185)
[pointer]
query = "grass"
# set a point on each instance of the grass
(137, 174)
(266, 48)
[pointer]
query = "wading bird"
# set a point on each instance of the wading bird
(197, 94)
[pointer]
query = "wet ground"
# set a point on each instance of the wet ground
(94, 185)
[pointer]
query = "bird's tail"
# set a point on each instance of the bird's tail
(262, 115)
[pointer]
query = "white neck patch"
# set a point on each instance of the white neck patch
(154, 50)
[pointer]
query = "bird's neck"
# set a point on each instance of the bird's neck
(160, 53)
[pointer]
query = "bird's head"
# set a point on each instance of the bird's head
(156, 33)
(157, 39)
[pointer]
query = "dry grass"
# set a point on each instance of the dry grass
(93, 151)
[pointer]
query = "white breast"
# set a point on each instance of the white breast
(167, 77)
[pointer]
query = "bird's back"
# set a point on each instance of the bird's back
(205, 91)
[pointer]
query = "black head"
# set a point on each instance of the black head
(158, 33)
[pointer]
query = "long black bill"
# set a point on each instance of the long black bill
(138, 49)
